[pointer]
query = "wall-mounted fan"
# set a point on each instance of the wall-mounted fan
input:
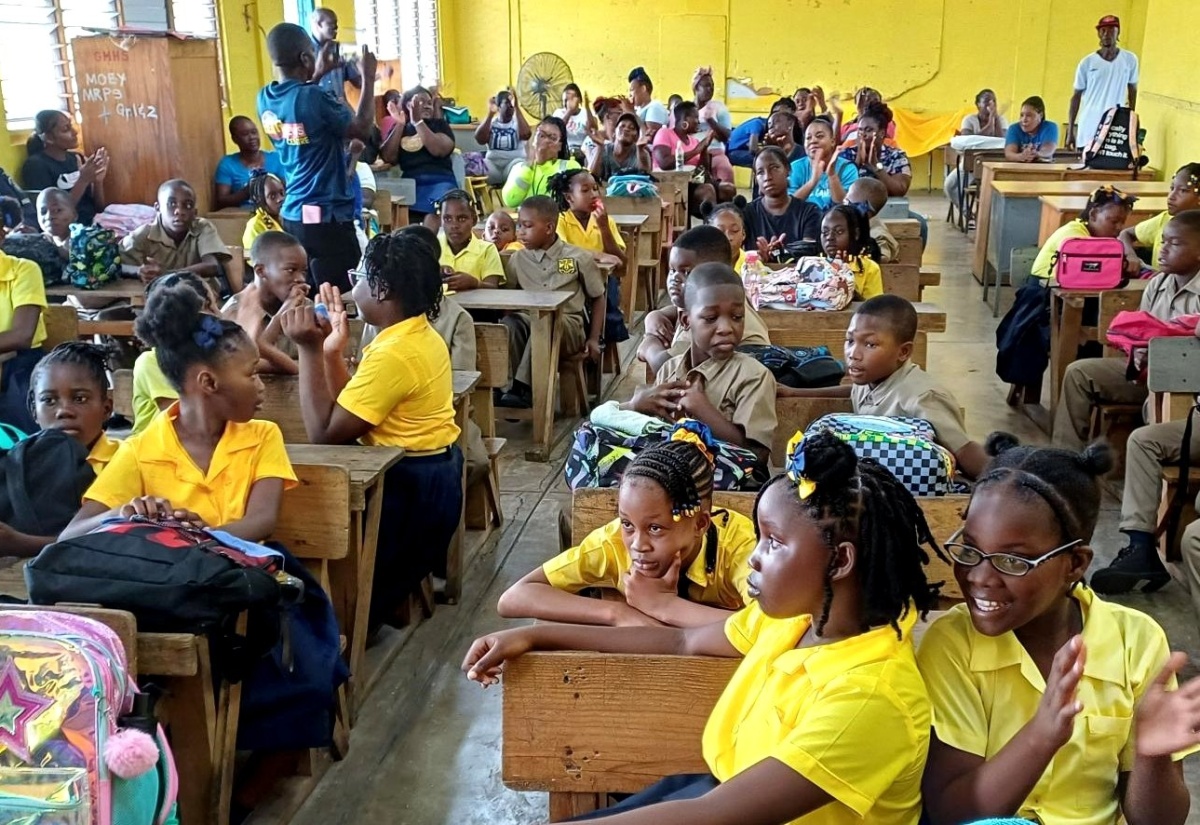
(540, 84)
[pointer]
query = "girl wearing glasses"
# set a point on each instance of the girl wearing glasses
(549, 154)
(1049, 703)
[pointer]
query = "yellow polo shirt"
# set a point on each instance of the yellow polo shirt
(478, 258)
(986, 688)
(155, 463)
(868, 278)
(602, 560)
(852, 716)
(740, 262)
(102, 453)
(21, 286)
(149, 385)
(1149, 233)
(404, 389)
(587, 237)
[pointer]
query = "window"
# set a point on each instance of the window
(35, 60)
(404, 30)
(195, 17)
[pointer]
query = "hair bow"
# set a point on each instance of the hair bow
(805, 486)
(209, 333)
(861, 207)
(1111, 194)
(695, 432)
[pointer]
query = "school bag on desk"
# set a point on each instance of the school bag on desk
(1090, 263)
(78, 745)
(42, 480)
(905, 446)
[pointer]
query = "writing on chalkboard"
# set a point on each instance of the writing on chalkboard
(105, 87)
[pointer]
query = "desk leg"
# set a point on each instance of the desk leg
(543, 338)
(1066, 319)
(454, 553)
(351, 580)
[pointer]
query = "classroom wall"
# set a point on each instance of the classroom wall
(1168, 98)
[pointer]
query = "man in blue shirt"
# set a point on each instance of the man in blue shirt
(333, 71)
(310, 128)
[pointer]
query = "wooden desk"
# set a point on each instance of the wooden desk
(1066, 326)
(352, 578)
(1057, 210)
(631, 228)
(673, 187)
(544, 309)
(399, 212)
(995, 171)
(789, 328)
(123, 289)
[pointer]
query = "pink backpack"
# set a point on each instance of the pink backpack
(1131, 331)
(1090, 263)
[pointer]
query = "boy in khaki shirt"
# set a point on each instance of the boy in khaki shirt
(879, 343)
(712, 382)
(176, 240)
(548, 264)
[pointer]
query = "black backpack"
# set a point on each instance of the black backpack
(42, 480)
(1117, 142)
(798, 367)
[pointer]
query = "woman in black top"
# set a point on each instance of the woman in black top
(54, 163)
(777, 225)
(422, 145)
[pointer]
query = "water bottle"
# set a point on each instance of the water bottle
(752, 275)
(678, 155)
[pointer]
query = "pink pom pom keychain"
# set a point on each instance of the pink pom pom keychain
(130, 752)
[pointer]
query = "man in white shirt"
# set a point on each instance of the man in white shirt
(1102, 81)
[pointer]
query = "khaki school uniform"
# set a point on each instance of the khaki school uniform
(561, 267)
(755, 333)
(740, 387)
(1102, 380)
(152, 241)
(913, 393)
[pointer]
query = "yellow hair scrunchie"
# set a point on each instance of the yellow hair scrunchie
(805, 486)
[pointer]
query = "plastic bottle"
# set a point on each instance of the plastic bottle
(752, 276)
(678, 155)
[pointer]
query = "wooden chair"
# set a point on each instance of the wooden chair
(1174, 372)
(62, 325)
(122, 393)
(650, 242)
(383, 210)
(482, 510)
(230, 224)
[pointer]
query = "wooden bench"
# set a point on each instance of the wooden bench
(62, 325)
(905, 276)
(482, 509)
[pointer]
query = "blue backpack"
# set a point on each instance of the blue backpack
(904, 446)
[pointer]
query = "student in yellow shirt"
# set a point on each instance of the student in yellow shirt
(152, 392)
(1105, 214)
(1049, 704)
(1184, 195)
(826, 720)
(266, 193)
(70, 393)
(728, 218)
(846, 236)
(582, 219)
(673, 559)
(467, 262)
(22, 327)
(402, 395)
(205, 460)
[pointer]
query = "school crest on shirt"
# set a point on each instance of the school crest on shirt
(568, 266)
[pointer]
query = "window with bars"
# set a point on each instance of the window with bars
(36, 67)
(404, 30)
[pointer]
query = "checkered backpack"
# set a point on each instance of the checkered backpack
(905, 446)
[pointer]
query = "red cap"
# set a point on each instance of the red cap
(1109, 21)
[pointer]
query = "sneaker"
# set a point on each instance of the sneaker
(518, 398)
(1132, 566)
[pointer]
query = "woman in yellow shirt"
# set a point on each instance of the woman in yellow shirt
(205, 460)
(402, 395)
(826, 720)
(1049, 704)
(846, 236)
(1104, 216)
(673, 559)
(69, 393)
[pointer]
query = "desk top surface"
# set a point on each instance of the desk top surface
(365, 464)
(512, 299)
(465, 381)
(122, 288)
(1036, 188)
(930, 317)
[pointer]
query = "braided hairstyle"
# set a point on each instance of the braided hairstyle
(559, 186)
(258, 186)
(456, 195)
(176, 324)
(861, 242)
(1101, 197)
(89, 357)
(859, 501)
(1067, 481)
(407, 269)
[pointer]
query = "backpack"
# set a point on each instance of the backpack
(94, 258)
(631, 186)
(42, 251)
(82, 746)
(42, 481)
(809, 284)
(1023, 337)
(1090, 263)
(798, 367)
(1131, 331)
(905, 446)
(600, 455)
(1116, 142)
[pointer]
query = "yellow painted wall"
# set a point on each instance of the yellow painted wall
(1168, 98)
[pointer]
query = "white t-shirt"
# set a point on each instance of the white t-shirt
(576, 126)
(653, 112)
(719, 112)
(1104, 83)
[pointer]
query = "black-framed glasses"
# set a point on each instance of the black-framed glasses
(1004, 563)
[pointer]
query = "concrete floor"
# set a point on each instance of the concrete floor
(426, 749)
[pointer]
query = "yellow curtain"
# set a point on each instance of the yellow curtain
(921, 133)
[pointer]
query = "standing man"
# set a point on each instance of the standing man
(310, 127)
(1103, 80)
(333, 71)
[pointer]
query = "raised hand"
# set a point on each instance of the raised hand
(1055, 717)
(1167, 721)
(302, 326)
(337, 327)
(368, 63)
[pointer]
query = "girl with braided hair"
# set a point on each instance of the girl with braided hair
(266, 196)
(673, 559)
(1049, 703)
(582, 218)
(826, 720)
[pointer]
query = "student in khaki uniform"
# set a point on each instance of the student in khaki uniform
(1174, 292)
(547, 263)
(712, 382)
(672, 558)
(666, 335)
(176, 239)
